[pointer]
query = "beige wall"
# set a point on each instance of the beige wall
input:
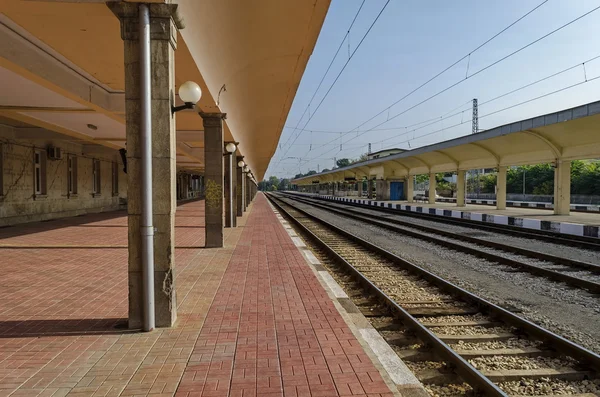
(18, 203)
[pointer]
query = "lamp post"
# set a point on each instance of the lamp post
(230, 148)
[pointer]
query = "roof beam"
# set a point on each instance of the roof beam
(488, 151)
(557, 150)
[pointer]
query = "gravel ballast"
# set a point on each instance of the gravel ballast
(569, 312)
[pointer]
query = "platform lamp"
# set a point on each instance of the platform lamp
(230, 148)
(190, 93)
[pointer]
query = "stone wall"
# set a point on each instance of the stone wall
(20, 204)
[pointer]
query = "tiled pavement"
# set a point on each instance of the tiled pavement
(271, 329)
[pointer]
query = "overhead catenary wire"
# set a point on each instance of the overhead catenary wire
(446, 69)
(511, 106)
(330, 64)
(340, 73)
(475, 73)
(448, 115)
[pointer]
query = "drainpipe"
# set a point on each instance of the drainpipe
(147, 229)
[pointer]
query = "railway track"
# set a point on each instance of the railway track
(453, 340)
(541, 235)
(556, 268)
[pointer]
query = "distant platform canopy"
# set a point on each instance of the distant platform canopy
(570, 134)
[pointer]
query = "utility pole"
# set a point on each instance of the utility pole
(369, 151)
(475, 126)
(318, 167)
(334, 162)
(474, 130)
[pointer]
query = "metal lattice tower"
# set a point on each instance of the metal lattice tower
(475, 117)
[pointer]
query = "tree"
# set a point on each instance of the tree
(284, 184)
(325, 170)
(273, 183)
(342, 163)
(422, 178)
(311, 172)
(362, 157)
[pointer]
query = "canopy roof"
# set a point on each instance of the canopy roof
(569, 134)
(61, 68)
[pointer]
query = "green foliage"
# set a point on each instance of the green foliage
(422, 178)
(342, 163)
(325, 170)
(362, 157)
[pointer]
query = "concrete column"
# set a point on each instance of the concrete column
(240, 187)
(562, 188)
(213, 171)
(163, 31)
(360, 188)
(501, 188)
(229, 190)
(432, 186)
(460, 188)
(410, 188)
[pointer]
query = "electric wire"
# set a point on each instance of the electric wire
(329, 67)
(440, 73)
(340, 73)
(474, 74)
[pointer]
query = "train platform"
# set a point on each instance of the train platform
(255, 318)
(577, 223)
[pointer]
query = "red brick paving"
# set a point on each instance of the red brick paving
(270, 331)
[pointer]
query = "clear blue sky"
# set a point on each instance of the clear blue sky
(411, 42)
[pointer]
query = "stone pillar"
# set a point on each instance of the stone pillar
(360, 188)
(229, 190)
(410, 188)
(562, 188)
(163, 29)
(248, 190)
(432, 187)
(240, 186)
(213, 171)
(501, 188)
(460, 188)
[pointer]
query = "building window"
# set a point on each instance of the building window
(115, 179)
(39, 172)
(96, 176)
(72, 175)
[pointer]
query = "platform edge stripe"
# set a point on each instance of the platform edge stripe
(397, 370)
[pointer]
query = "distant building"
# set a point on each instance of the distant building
(384, 153)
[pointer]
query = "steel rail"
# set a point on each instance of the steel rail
(551, 274)
(469, 373)
(553, 340)
(543, 235)
(492, 244)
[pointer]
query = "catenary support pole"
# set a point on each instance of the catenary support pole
(147, 229)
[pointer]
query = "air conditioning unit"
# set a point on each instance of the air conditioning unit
(54, 153)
